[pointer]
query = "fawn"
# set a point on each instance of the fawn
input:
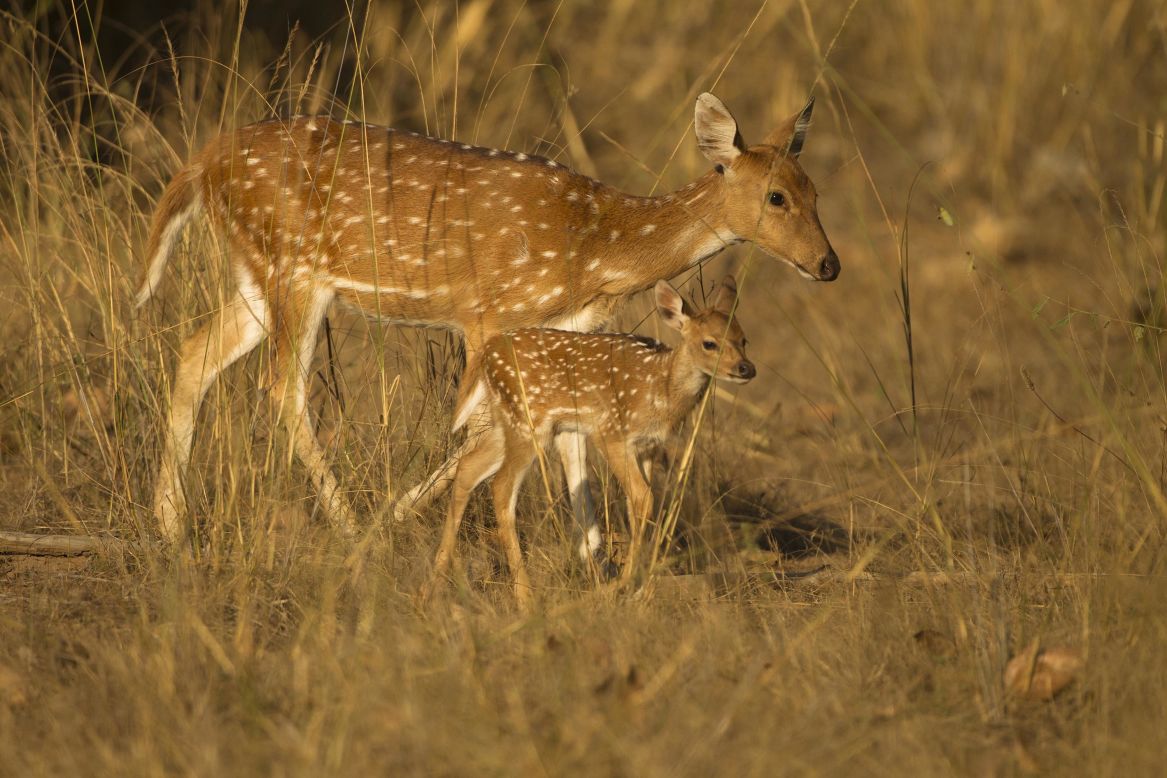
(625, 393)
(412, 229)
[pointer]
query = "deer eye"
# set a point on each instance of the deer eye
(778, 199)
(709, 345)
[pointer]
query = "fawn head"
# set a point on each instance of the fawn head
(769, 199)
(712, 337)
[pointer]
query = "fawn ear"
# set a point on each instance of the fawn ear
(671, 306)
(717, 134)
(726, 296)
(791, 134)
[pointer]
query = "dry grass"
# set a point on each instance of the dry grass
(1027, 258)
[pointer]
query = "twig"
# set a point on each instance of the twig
(1032, 387)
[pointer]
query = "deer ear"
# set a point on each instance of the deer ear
(717, 133)
(791, 134)
(726, 296)
(671, 305)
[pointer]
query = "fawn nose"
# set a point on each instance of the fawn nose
(829, 267)
(746, 370)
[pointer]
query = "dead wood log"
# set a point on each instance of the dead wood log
(56, 545)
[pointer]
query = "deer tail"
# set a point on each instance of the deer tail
(180, 201)
(472, 396)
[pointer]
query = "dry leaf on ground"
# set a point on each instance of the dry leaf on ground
(1038, 674)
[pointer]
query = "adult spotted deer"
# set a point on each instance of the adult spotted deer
(627, 394)
(431, 232)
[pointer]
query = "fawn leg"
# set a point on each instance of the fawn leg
(622, 460)
(436, 483)
(506, 493)
(482, 460)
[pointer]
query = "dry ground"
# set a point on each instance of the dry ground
(851, 570)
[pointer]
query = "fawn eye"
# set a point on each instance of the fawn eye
(778, 199)
(709, 345)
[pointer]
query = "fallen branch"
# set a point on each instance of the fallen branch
(56, 545)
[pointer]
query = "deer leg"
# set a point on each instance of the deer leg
(302, 325)
(505, 488)
(482, 460)
(235, 330)
(572, 448)
(624, 465)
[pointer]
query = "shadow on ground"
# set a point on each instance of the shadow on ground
(766, 519)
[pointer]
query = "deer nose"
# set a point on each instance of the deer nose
(829, 267)
(746, 369)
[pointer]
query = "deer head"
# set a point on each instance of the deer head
(713, 340)
(769, 199)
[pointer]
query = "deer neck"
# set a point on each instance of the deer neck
(684, 385)
(639, 240)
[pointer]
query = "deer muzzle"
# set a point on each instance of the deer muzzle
(745, 370)
(828, 269)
